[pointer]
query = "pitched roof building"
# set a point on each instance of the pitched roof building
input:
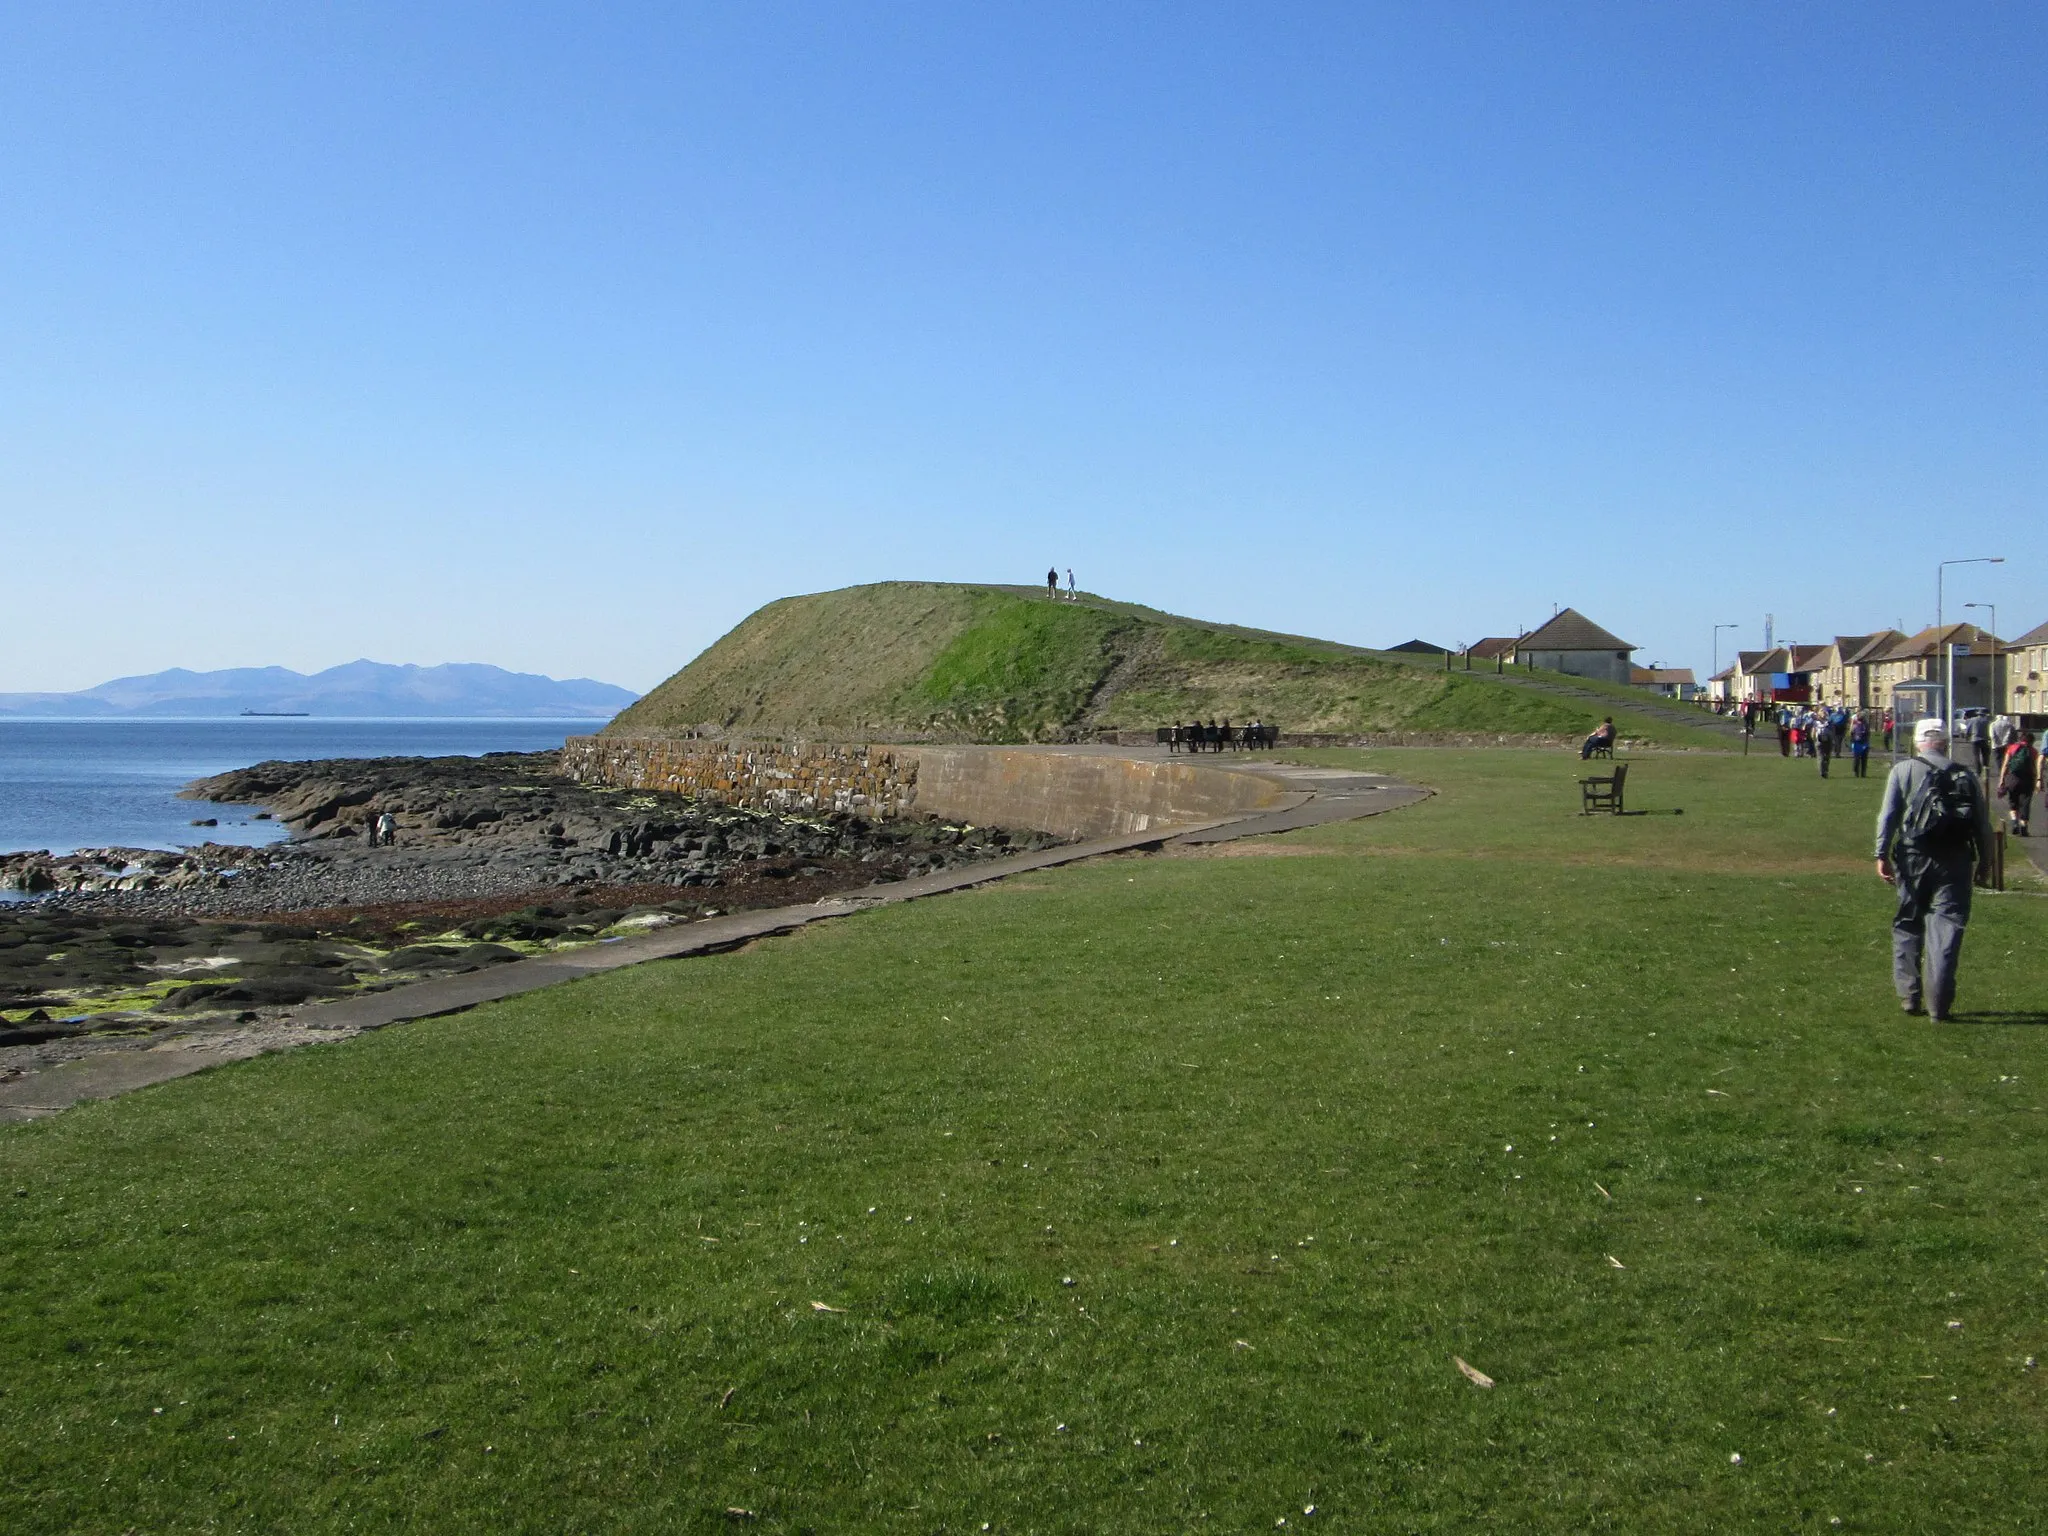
(1673, 682)
(1918, 658)
(1573, 643)
(1418, 648)
(2026, 674)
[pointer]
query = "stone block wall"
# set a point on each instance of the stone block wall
(1068, 793)
(792, 777)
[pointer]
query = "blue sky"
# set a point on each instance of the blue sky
(563, 337)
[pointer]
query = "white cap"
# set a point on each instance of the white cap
(1930, 729)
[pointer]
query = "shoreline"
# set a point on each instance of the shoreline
(494, 859)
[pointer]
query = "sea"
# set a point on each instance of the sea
(70, 784)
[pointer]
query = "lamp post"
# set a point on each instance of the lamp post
(1994, 645)
(1948, 654)
(1717, 645)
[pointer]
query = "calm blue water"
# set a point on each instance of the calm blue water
(68, 784)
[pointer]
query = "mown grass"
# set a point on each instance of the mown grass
(1620, 1112)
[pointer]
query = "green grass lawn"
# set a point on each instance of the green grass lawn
(1156, 1194)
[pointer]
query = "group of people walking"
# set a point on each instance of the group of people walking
(1828, 733)
(1195, 736)
(1052, 585)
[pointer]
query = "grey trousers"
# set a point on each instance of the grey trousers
(1934, 908)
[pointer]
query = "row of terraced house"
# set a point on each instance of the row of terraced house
(1860, 671)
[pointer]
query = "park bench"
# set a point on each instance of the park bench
(1603, 793)
(1605, 749)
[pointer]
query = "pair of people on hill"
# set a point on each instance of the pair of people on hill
(1052, 584)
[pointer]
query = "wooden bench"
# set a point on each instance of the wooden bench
(1606, 750)
(1603, 793)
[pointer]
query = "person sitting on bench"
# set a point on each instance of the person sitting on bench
(1602, 740)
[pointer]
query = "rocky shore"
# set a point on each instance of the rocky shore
(490, 858)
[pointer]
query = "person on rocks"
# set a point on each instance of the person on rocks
(1933, 839)
(387, 830)
(2019, 773)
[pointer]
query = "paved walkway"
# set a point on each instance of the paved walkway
(1316, 796)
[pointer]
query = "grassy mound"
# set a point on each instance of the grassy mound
(921, 660)
(1148, 1195)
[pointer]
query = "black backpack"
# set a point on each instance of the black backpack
(1942, 815)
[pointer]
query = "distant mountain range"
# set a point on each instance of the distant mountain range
(358, 688)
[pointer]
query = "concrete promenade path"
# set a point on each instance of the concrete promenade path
(1314, 797)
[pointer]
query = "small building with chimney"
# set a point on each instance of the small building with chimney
(1574, 644)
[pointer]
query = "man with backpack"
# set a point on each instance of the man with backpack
(2019, 766)
(1933, 838)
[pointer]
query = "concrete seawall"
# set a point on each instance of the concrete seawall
(1068, 792)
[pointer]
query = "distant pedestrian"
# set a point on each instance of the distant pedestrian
(1785, 732)
(2019, 773)
(1980, 741)
(1052, 584)
(386, 831)
(1073, 592)
(1824, 748)
(1859, 746)
(1933, 838)
(1890, 725)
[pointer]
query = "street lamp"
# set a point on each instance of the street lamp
(1994, 647)
(1717, 645)
(1948, 653)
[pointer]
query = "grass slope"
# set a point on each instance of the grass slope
(1151, 1195)
(929, 660)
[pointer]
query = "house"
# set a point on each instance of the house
(1918, 658)
(1672, 682)
(1574, 644)
(1492, 648)
(2026, 672)
(1721, 687)
(1764, 677)
(1418, 648)
(1841, 673)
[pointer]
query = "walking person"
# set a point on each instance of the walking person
(1859, 746)
(1073, 592)
(2019, 773)
(387, 830)
(1824, 748)
(1980, 741)
(1052, 584)
(1933, 840)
